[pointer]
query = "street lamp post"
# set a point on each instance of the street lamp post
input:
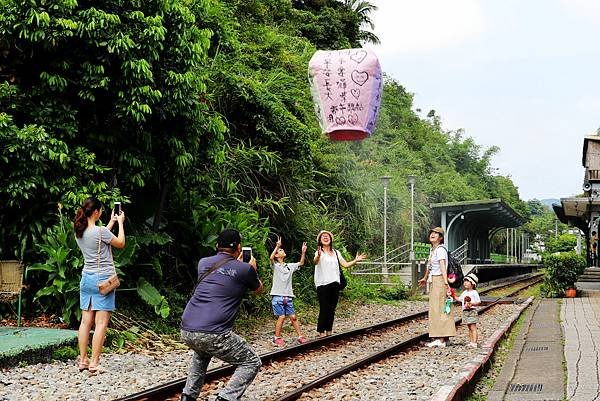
(411, 181)
(385, 180)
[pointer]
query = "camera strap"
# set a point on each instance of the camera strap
(212, 269)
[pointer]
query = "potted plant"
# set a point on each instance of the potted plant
(571, 292)
(562, 270)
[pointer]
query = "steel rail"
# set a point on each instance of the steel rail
(380, 355)
(161, 391)
(217, 373)
(536, 277)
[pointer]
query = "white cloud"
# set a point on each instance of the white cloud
(423, 25)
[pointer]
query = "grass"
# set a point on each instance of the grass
(488, 380)
(533, 291)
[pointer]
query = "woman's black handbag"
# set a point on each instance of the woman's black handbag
(453, 267)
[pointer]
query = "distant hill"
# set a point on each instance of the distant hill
(549, 202)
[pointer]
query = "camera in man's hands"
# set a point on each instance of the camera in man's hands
(246, 254)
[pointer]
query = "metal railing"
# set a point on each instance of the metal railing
(461, 253)
(398, 268)
(376, 273)
(402, 253)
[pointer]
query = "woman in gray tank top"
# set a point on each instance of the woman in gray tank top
(96, 244)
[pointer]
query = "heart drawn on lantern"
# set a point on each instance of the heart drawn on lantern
(353, 119)
(340, 120)
(358, 56)
(359, 77)
(355, 93)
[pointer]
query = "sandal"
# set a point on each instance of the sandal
(83, 366)
(94, 370)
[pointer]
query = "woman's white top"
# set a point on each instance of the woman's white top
(437, 254)
(327, 271)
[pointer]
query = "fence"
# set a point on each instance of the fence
(390, 273)
(397, 268)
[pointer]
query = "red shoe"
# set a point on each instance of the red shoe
(278, 341)
(301, 340)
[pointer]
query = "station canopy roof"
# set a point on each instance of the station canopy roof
(576, 211)
(489, 213)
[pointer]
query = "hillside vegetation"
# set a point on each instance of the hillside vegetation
(197, 115)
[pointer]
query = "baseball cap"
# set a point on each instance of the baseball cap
(229, 238)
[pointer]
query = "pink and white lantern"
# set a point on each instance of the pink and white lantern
(346, 90)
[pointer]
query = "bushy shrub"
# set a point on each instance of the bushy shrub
(395, 293)
(562, 270)
(564, 243)
(65, 353)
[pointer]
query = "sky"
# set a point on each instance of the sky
(521, 75)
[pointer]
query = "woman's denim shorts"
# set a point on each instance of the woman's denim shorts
(90, 294)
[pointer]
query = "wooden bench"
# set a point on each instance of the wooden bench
(11, 283)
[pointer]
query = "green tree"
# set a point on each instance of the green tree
(364, 9)
(536, 207)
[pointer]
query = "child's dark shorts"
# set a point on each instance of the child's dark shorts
(282, 306)
(470, 316)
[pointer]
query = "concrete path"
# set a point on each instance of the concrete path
(534, 368)
(581, 324)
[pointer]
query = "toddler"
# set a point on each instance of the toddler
(282, 293)
(469, 299)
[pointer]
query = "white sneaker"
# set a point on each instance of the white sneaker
(442, 344)
(435, 343)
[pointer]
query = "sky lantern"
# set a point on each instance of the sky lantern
(346, 89)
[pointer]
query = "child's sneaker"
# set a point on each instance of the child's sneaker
(278, 341)
(301, 340)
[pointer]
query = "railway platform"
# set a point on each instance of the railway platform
(31, 344)
(556, 355)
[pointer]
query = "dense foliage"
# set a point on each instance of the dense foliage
(198, 116)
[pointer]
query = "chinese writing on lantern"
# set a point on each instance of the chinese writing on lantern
(346, 87)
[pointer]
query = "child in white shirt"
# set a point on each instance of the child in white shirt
(469, 299)
(282, 294)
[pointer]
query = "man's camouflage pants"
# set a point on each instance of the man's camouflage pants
(228, 347)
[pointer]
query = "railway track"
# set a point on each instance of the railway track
(401, 333)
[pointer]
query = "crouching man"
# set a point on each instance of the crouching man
(209, 315)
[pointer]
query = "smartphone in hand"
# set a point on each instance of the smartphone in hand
(246, 254)
(117, 208)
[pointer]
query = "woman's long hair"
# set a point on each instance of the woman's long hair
(90, 205)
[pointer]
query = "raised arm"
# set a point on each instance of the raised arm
(359, 257)
(277, 246)
(119, 241)
(303, 254)
(317, 257)
(111, 223)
